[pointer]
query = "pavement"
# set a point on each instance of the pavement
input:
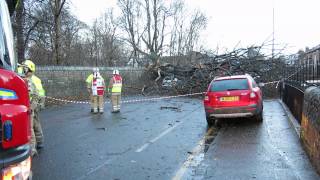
(250, 150)
(167, 139)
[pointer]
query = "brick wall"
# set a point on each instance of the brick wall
(310, 125)
(70, 81)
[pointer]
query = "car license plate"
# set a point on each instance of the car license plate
(230, 98)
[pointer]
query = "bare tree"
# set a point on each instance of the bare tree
(155, 28)
(152, 15)
(130, 23)
(198, 22)
(42, 40)
(19, 29)
(177, 31)
(185, 32)
(57, 6)
(24, 24)
(106, 43)
(146, 28)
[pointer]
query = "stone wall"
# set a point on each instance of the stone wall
(60, 81)
(310, 125)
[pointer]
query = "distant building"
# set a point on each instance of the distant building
(312, 56)
(292, 59)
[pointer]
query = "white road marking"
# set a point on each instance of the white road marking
(95, 169)
(143, 147)
(193, 159)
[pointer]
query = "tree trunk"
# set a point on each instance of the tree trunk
(57, 32)
(19, 31)
(58, 6)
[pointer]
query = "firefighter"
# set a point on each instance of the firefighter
(89, 89)
(37, 99)
(96, 87)
(115, 87)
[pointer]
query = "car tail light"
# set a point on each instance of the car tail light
(253, 95)
(19, 171)
(206, 98)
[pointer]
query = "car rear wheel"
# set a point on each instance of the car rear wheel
(259, 117)
(210, 120)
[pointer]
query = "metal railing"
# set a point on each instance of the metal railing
(297, 78)
(303, 75)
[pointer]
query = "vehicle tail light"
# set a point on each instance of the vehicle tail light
(206, 98)
(18, 171)
(253, 95)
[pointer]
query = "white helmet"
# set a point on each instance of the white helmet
(116, 71)
(96, 73)
(95, 69)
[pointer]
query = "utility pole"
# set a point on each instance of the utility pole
(272, 33)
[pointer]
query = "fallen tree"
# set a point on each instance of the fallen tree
(196, 74)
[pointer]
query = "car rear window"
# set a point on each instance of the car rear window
(229, 85)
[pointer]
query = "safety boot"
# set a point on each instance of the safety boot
(101, 110)
(34, 152)
(40, 145)
(95, 110)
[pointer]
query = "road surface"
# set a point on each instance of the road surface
(167, 139)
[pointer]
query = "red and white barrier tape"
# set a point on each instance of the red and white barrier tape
(67, 101)
(126, 101)
(143, 100)
(272, 82)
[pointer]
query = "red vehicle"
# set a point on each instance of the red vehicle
(15, 132)
(233, 97)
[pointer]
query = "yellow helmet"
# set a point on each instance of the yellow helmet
(30, 65)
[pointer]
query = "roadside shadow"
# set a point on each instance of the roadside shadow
(98, 116)
(238, 122)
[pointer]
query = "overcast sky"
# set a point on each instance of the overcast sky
(249, 22)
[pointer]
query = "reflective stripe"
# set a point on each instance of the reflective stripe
(117, 85)
(97, 86)
(7, 94)
(116, 88)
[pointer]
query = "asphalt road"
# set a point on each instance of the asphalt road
(167, 139)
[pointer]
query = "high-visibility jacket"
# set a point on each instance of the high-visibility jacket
(116, 83)
(38, 85)
(98, 86)
(89, 80)
(36, 92)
